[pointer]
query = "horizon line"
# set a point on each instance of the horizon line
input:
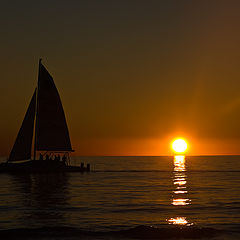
(190, 155)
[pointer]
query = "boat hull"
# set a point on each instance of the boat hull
(37, 166)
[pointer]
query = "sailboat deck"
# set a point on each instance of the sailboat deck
(36, 166)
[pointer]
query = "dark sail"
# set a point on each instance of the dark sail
(51, 127)
(23, 145)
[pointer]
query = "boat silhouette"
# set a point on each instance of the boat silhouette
(44, 126)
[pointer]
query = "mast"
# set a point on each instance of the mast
(36, 115)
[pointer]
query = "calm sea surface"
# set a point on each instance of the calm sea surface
(136, 194)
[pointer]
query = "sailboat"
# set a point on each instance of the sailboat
(44, 132)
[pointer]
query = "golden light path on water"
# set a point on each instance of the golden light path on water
(178, 220)
(180, 193)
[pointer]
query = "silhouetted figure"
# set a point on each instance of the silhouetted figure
(47, 157)
(64, 159)
(56, 158)
(88, 167)
(40, 157)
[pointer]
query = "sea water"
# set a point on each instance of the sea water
(126, 198)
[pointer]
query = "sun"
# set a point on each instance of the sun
(179, 145)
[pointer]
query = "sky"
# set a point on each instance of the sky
(132, 75)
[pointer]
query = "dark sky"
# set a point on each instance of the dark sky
(132, 75)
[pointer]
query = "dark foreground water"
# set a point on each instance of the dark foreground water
(126, 198)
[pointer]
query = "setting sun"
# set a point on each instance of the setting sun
(179, 145)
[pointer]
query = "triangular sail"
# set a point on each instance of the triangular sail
(23, 145)
(51, 127)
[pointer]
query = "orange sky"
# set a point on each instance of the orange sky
(132, 75)
(154, 147)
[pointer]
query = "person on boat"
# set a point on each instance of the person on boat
(56, 158)
(64, 159)
(40, 157)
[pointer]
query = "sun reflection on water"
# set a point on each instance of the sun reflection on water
(179, 163)
(181, 202)
(178, 220)
(180, 193)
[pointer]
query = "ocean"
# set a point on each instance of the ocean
(186, 197)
